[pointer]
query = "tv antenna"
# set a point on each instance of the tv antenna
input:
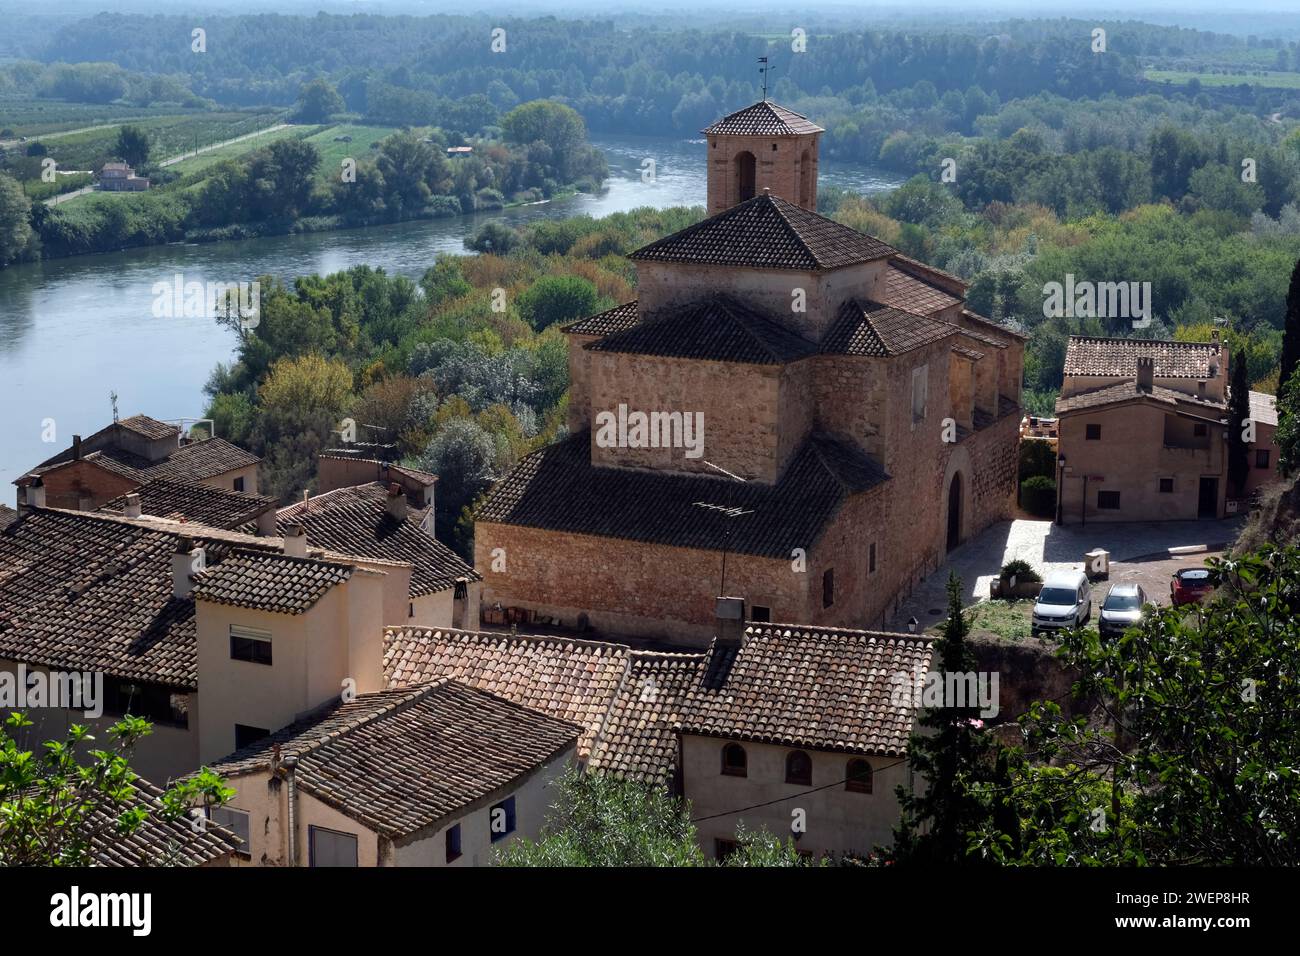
(764, 69)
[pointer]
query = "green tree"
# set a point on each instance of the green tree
(1291, 329)
(132, 146)
(1238, 413)
(955, 759)
(555, 299)
(318, 101)
(17, 240)
(57, 802)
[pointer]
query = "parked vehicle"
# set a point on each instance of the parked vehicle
(1190, 585)
(1121, 609)
(1064, 602)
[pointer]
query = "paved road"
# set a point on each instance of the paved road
(171, 160)
(1048, 548)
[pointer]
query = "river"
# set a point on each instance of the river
(72, 331)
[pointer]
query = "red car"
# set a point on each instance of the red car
(1190, 585)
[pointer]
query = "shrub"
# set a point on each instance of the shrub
(1020, 570)
(1038, 496)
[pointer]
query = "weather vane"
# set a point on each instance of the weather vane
(763, 69)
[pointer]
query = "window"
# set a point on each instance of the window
(761, 614)
(1166, 486)
(858, 777)
(920, 389)
(734, 762)
(453, 843)
(871, 559)
(239, 484)
(798, 768)
(330, 847)
(1092, 433)
(1108, 500)
(154, 702)
(246, 735)
(1261, 458)
(236, 821)
(828, 587)
(1200, 429)
(250, 644)
(501, 819)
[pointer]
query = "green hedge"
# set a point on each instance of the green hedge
(1038, 496)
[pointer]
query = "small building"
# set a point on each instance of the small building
(121, 178)
(436, 775)
(1143, 431)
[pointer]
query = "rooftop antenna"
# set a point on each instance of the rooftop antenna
(112, 397)
(730, 512)
(763, 69)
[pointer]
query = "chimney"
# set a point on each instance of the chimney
(76, 448)
(186, 562)
(295, 541)
(1146, 373)
(396, 501)
(33, 496)
(132, 509)
(730, 614)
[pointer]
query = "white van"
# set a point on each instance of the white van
(1064, 602)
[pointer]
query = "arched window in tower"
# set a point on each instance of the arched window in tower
(744, 176)
(805, 180)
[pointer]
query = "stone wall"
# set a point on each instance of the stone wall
(787, 165)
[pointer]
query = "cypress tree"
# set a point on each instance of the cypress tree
(1291, 335)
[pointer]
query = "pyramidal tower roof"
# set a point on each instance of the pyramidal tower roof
(764, 118)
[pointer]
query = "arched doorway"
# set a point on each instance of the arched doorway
(805, 179)
(954, 512)
(745, 171)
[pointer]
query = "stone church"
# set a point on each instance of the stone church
(791, 413)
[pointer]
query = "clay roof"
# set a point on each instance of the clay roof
(270, 582)
(196, 461)
(877, 330)
(87, 593)
(907, 291)
(567, 679)
(558, 489)
(400, 761)
(1085, 355)
(718, 328)
(764, 118)
(617, 319)
(974, 324)
(1129, 392)
(356, 521)
(204, 504)
(823, 688)
(7, 515)
(149, 427)
(156, 841)
(766, 232)
(969, 354)
(1263, 410)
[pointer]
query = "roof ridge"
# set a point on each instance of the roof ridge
(429, 631)
(817, 629)
(743, 315)
(778, 207)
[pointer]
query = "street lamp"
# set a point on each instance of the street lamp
(1060, 488)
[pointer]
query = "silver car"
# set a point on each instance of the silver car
(1121, 610)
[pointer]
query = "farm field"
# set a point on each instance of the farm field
(333, 153)
(34, 117)
(209, 158)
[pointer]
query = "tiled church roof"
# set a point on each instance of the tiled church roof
(558, 489)
(718, 328)
(767, 232)
(764, 118)
(881, 331)
(617, 319)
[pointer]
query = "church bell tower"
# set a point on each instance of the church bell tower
(762, 147)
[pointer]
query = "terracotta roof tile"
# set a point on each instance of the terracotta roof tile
(767, 232)
(356, 521)
(617, 319)
(1085, 355)
(157, 841)
(557, 488)
(567, 679)
(718, 328)
(149, 427)
(204, 504)
(270, 582)
(1129, 392)
(400, 761)
(763, 118)
(876, 330)
(906, 291)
